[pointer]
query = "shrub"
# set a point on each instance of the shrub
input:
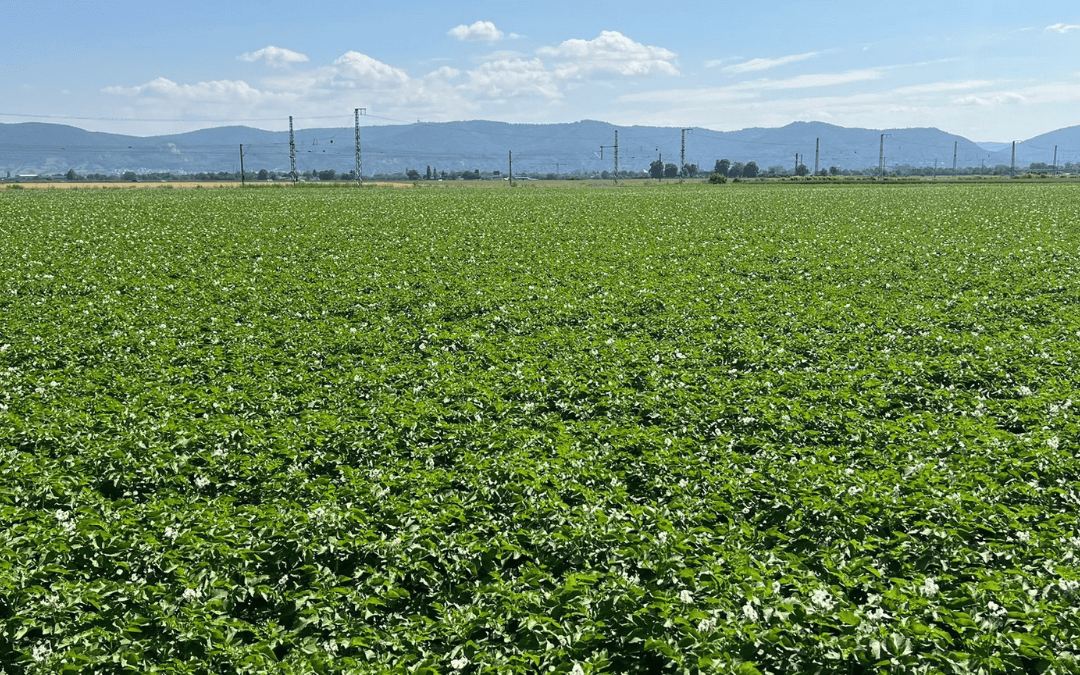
(717, 179)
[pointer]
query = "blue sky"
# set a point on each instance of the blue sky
(988, 70)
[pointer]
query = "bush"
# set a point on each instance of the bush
(718, 179)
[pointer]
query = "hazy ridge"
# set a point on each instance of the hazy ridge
(42, 148)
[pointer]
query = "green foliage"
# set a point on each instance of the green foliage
(717, 179)
(602, 430)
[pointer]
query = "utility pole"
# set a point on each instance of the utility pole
(616, 156)
(616, 146)
(241, 165)
(881, 157)
(359, 163)
(510, 155)
(796, 173)
(1012, 171)
(817, 153)
(1055, 160)
(954, 144)
(682, 155)
(292, 151)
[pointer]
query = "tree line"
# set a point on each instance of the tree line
(657, 169)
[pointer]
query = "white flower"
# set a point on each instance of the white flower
(749, 612)
(929, 587)
(171, 533)
(706, 625)
(1023, 536)
(822, 599)
(1069, 586)
(877, 614)
(458, 664)
(686, 596)
(995, 609)
(191, 594)
(201, 482)
(577, 670)
(1053, 442)
(40, 652)
(1024, 391)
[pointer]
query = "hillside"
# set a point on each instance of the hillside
(586, 146)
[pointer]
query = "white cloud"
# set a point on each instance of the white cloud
(812, 80)
(218, 91)
(611, 52)
(991, 100)
(481, 31)
(1051, 92)
(274, 56)
(755, 65)
(443, 73)
(935, 87)
(361, 68)
(511, 77)
(716, 63)
(1063, 28)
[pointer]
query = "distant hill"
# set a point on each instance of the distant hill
(586, 146)
(1041, 148)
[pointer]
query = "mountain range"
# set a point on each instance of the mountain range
(587, 146)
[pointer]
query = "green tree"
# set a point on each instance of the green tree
(723, 166)
(129, 176)
(801, 170)
(750, 170)
(671, 170)
(656, 169)
(412, 174)
(690, 170)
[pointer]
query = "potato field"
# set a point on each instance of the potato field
(667, 429)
